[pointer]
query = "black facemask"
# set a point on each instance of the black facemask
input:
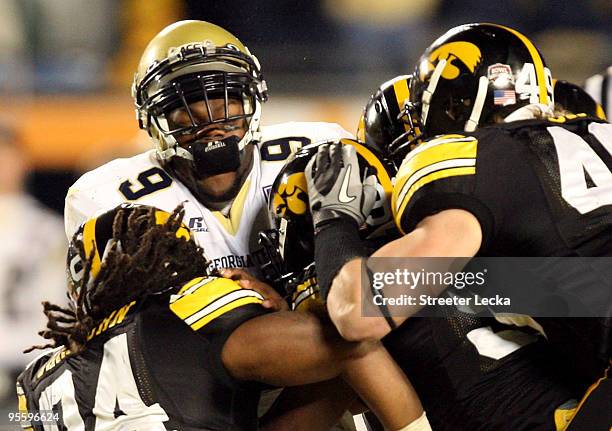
(215, 157)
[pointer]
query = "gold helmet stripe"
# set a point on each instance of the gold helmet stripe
(161, 217)
(400, 88)
(89, 245)
(382, 175)
(599, 111)
(537, 62)
(361, 128)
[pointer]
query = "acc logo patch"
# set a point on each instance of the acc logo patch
(453, 52)
(292, 195)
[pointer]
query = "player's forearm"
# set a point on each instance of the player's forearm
(383, 386)
(344, 306)
(371, 373)
(336, 243)
(288, 349)
(450, 233)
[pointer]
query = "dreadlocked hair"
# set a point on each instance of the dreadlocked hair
(146, 258)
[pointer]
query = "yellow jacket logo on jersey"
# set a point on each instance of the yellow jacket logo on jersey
(465, 52)
(291, 195)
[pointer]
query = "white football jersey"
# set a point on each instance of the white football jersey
(226, 240)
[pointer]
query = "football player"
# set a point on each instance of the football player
(470, 371)
(572, 98)
(598, 86)
(499, 175)
(198, 93)
(150, 342)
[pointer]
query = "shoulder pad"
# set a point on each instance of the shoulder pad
(442, 157)
(204, 299)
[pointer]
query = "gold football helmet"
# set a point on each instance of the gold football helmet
(195, 61)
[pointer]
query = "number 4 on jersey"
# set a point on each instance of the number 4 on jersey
(577, 162)
(117, 402)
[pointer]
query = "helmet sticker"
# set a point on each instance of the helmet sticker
(292, 195)
(500, 75)
(465, 52)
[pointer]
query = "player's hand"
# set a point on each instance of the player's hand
(335, 186)
(272, 299)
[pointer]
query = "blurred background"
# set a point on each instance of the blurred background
(66, 68)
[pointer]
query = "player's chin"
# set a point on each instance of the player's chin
(221, 187)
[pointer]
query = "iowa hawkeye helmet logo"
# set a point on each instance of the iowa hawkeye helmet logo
(291, 195)
(454, 52)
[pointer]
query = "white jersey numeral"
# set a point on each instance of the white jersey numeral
(527, 86)
(117, 402)
(61, 391)
(577, 160)
(498, 345)
(117, 393)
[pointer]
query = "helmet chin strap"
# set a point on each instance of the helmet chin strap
(481, 96)
(177, 151)
(428, 93)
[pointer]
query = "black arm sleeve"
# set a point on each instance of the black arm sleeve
(336, 243)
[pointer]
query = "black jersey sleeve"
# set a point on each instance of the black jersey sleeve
(214, 307)
(28, 390)
(439, 174)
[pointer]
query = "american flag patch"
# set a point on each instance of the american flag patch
(504, 97)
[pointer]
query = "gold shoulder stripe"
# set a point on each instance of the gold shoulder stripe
(436, 147)
(22, 407)
(192, 285)
(449, 152)
(205, 298)
(223, 305)
(445, 173)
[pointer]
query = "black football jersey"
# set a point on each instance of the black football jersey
(537, 188)
(151, 365)
(474, 373)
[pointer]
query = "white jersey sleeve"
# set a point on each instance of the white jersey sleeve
(107, 186)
